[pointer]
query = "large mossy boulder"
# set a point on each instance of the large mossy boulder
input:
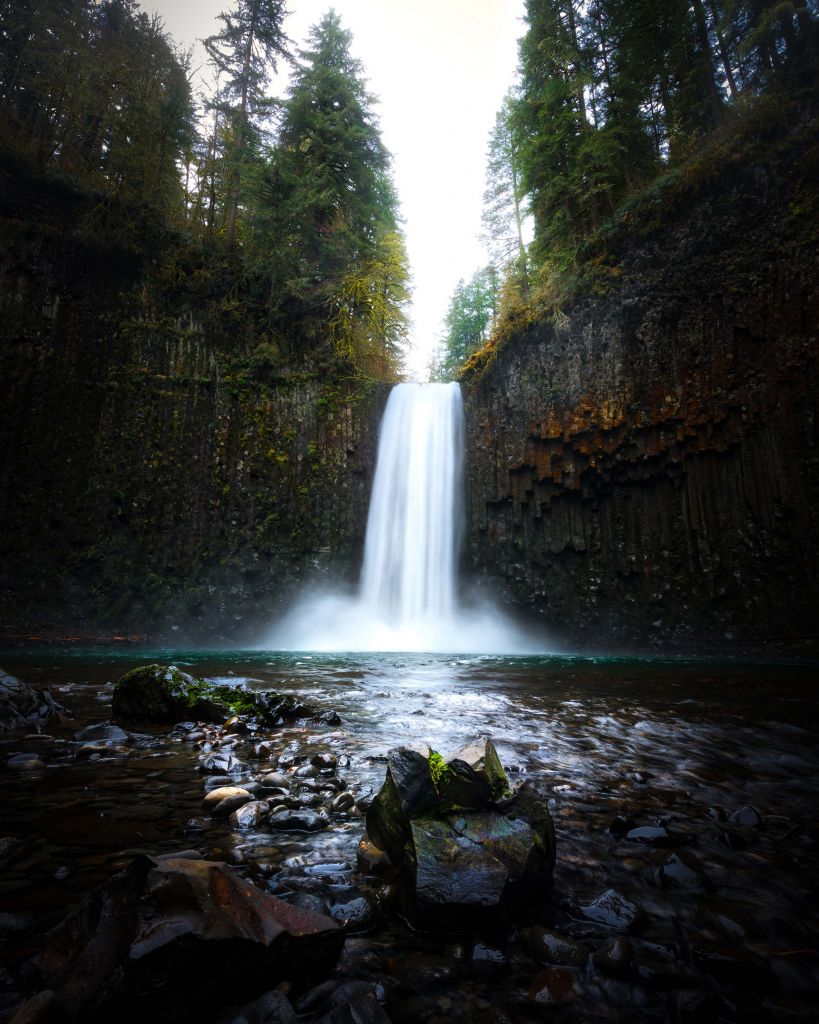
(464, 850)
(174, 940)
(163, 693)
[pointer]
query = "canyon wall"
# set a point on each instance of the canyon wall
(643, 467)
(149, 481)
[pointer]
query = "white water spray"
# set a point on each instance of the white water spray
(408, 598)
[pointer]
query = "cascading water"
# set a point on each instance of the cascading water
(413, 529)
(407, 599)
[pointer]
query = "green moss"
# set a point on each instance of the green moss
(439, 770)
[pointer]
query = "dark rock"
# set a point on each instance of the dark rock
(620, 825)
(159, 940)
(22, 707)
(681, 872)
(408, 791)
(550, 948)
(274, 780)
(373, 861)
(479, 865)
(325, 717)
(343, 802)
(324, 762)
(27, 762)
(249, 815)
(162, 693)
(555, 986)
(221, 763)
(614, 911)
(194, 825)
(651, 835)
(225, 800)
(297, 821)
(12, 924)
(615, 958)
(356, 915)
(40, 1009)
(747, 816)
(104, 731)
(474, 777)
(488, 962)
(271, 1008)
(309, 901)
(693, 1006)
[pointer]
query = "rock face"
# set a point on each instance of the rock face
(465, 852)
(23, 707)
(154, 472)
(644, 469)
(163, 693)
(170, 939)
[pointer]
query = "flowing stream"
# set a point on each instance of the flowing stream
(408, 597)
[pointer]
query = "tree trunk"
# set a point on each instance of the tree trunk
(708, 60)
(723, 51)
(240, 134)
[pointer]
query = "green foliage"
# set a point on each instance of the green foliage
(468, 322)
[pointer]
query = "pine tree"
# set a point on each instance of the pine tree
(245, 52)
(503, 197)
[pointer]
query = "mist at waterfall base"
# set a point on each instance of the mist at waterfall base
(408, 598)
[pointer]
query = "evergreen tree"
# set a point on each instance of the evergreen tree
(331, 199)
(468, 322)
(245, 52)
(503, 197)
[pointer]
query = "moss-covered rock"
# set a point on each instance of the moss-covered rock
(464, 849)
(163, 693)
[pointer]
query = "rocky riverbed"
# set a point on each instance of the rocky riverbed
(684, 797)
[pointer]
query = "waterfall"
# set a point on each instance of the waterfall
(414, 528)
(407, 598)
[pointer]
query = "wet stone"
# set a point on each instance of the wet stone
(614, 911)
(733, 965)
(289, 820)
(694, 1006)
(11, 849)
(357, 915)
(271, 1008)
(681, 872)
(249, 815)
(106, 732)
(615, 958)
(225, 800)
(274, 780)
(488, 961)
(650, 835)
(343, 802)
(550, 948)
(554, 986)
(746, 817)
(324, 762)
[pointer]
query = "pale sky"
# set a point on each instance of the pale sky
(440, 69)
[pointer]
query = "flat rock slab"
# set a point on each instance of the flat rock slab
(173, 939)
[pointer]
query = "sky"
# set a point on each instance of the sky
(440, 69)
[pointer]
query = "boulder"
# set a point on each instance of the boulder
(22, 707)
(163, 693)
(177, 940)
(464, 851)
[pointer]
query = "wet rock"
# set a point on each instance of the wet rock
(681, 872)
(550, 948)
(193, 825)
(479, 865)
(26, 762)
(305, 771)
(225, 800)
(475, 776)
(249, 815)
(324, 762)
(222, 763)
(555, 986)
(408, 791)
(174, 939)
(40, 1009)
(309, 901)
(615, 958)
(651, 835)
(163, 693)
(492, 864)
(620, 825)
(746, 817)
(288, 820)
(11, 849)
(105, 732)
(343, 802)
(274, 780)
(734, 921)
(327, 718)
(614, 911)
(488, 962)
(356, 915)
(271, 1008)
(373, 861)
(22, 707)
(13, 924)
